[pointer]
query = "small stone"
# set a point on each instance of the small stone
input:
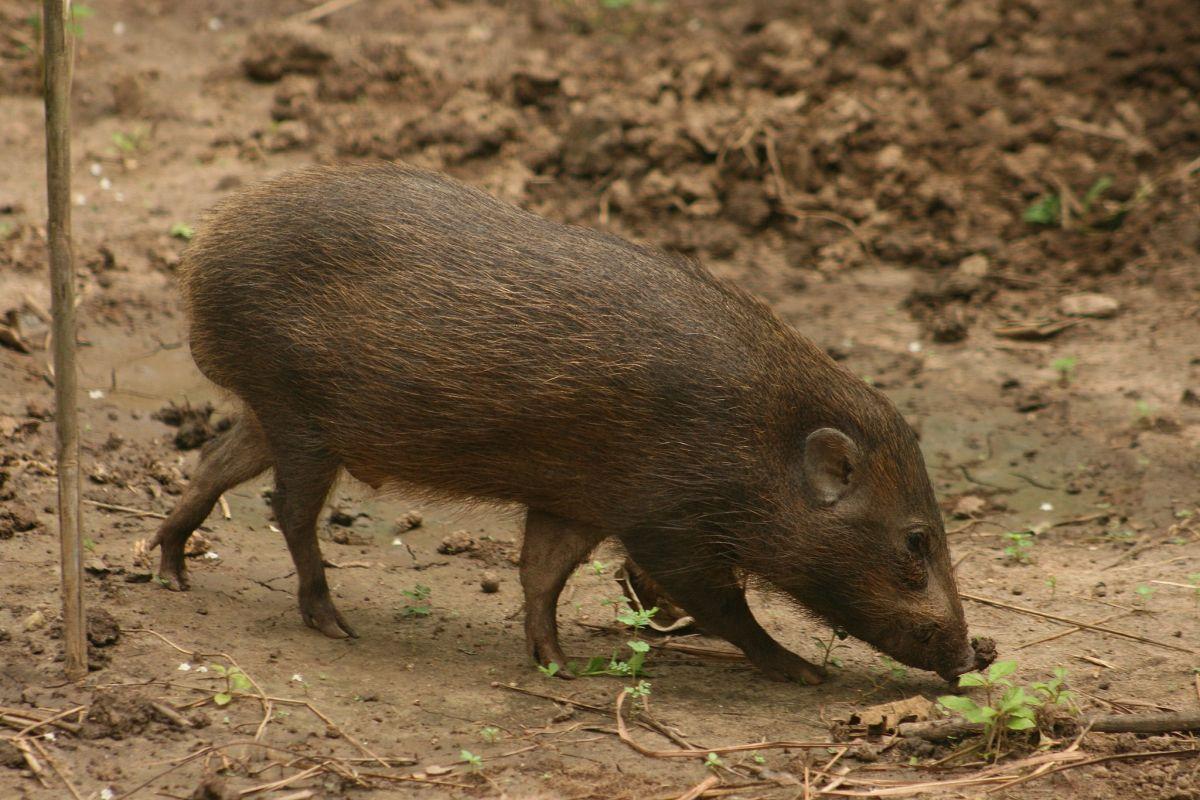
(1190, 398)
(947, 326)
(34, 621)
(16, 518)
(1100, 589)
(408, 522)
(38, 410)
(1089, 304)
(296, 49)
(96, 566)
(489, 583)
(969, 506)
(916, 746)
(212, 788)
(532, 86)
(1031, 400)
(975, 266)
(10, 756)
(287, 135)
(889, 157)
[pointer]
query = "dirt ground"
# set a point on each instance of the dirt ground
(923, 188)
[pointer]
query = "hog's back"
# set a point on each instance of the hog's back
(428, 334)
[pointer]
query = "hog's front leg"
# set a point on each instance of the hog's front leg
(709, 590)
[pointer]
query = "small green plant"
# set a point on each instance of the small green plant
(1144, 593)
(89, 544)
(1065, 367)
(1009, 707)
(181, 230)
(130, 142)
(235, 682)
(614, 666)
(1184, 513)
(1119, 534)
(639, 690)
(1143, 413)
(713, 761)
(1052, 582)
(549, 670)
(598, 567)
(758, 759)
(489, 734)
(416, 605)
(827, 647)
(470, 759)
(895, 669)
(1053, 691)
(1096, 191)
(1018, 547)
(1046, 210)
(635, 619)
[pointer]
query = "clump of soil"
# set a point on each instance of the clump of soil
(195, 423)
(985, 651)
(117, 715)
(16, 518)
(486, 549)
(102, 628)
(213, 787)
(10, 756)
(457, 543)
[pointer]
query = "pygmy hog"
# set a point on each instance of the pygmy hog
(414, 331)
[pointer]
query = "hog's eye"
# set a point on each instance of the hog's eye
(916, 542)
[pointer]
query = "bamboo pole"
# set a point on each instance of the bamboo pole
(57, 55)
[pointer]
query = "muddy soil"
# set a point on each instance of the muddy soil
(926, 189)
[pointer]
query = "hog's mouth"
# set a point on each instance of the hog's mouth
(979, 656)
(947, 656)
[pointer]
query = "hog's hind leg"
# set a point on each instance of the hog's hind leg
(234, 457)
(303, 478)
(551, 550)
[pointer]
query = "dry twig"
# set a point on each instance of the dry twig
(700, 788)
(126, 509)
(623, 734)
(1078, 623)
(1070, 631)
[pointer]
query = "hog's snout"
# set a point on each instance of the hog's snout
(936, 645)
(966, 662)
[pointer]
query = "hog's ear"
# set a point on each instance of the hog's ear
(830, 459)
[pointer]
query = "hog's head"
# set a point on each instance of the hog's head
(865, 546)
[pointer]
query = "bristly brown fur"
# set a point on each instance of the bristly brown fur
(413, 330)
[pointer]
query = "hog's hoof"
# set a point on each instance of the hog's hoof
(320, 613)
(172, 573)
(546, 654)
(791, 667)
